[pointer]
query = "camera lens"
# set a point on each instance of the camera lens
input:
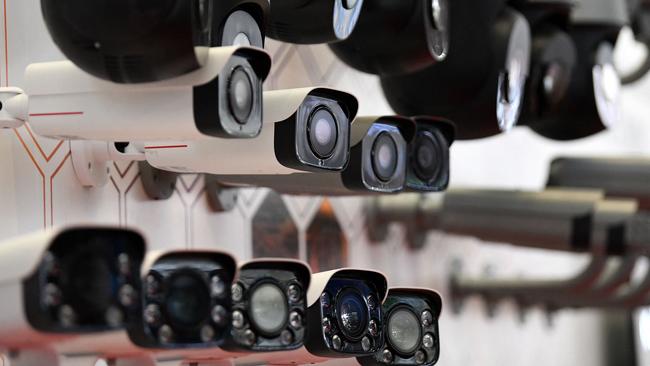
(240, 95)
(187, 301)
(426, 157)
(384, 157)
(352, 314)
(269, 309)
(87, 281)
(404, 331)
(322, 132)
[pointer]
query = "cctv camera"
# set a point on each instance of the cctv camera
(410, 329)
(306, 130)
(344, 319)
(592, 101)
(66, 282)
(269, 306)
(481, 83)
(135, 41)
(618, 177)
(221, 99)
(416, 30)
(428, 166)
(313, 21)
(378, 160)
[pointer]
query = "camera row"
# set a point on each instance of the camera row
(87, 293)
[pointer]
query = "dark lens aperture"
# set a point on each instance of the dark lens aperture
(404, 332)
(240, 95)
(188, 301)
(352, 313)
(322, 132)
(88, 283)
(384, 157)
(426, 159)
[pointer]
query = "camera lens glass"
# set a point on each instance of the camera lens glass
(88, 283)
(188, 300)
(352, 313)
(240, 95)
(269, 308)
(426, 158)
(404, 332)
(384, 157)
(322, 133)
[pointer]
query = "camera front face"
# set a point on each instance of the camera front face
(316, 138)
(87, 281)
(131, 42)
(350, 317)
(411, 330)
(428, 167)
(230, 106)
(269, 309)
(186, 302)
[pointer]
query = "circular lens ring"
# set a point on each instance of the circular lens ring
(427, 146)
(404, 314)
(352, 314)
(260, 319)
(241, 94)
(322, 125)
(384, 157)
(187, 300)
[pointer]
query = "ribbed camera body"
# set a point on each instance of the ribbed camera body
(269, 306)
(221, 99)
(313, 21)
(306, 130)
(138, 41)
(411, 331)
(416, 30)
(428, 167)
(69, 282)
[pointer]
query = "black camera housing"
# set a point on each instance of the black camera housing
(162, 291)
(435, 137)
(283, 274)
(137, 41)
(83, 275)
(417, 35)
(312, 21)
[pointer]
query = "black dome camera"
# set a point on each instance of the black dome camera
(135, 41)
(480, 84)
(413, 34)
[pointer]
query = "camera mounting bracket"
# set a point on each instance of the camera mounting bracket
(221, 198)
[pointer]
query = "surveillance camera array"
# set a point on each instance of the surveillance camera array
(85, 293)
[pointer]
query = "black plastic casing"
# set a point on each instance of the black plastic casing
(395, 37)
(100, 244)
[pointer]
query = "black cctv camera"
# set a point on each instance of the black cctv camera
(135, 41)
(413, 34)
(428, 168)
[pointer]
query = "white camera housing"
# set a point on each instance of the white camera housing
(285, 144)
(65, 102)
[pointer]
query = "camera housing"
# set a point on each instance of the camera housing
(480, 85)
(428, 167)
(269, 303)
(135, 41)
(417, 30)
(306, 129)
(410, 328)
(369, 153)
(65, 102)
(186, 300)
(313, 21)
(65, 282)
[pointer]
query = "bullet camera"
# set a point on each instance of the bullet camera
(186, 301)
(269, 303)
(136, 41)
(410, 328)
(307, 130)
(416, 30)
(221, 99)
(378, 159)
(68, 282)
(428, 166)
(313, 21)
(480, 85)
(591, 103)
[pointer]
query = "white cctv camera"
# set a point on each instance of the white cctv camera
(378, 159)
(305, 130)
(411, 329)
(344, 319)
(221, 99)
(66, 282)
